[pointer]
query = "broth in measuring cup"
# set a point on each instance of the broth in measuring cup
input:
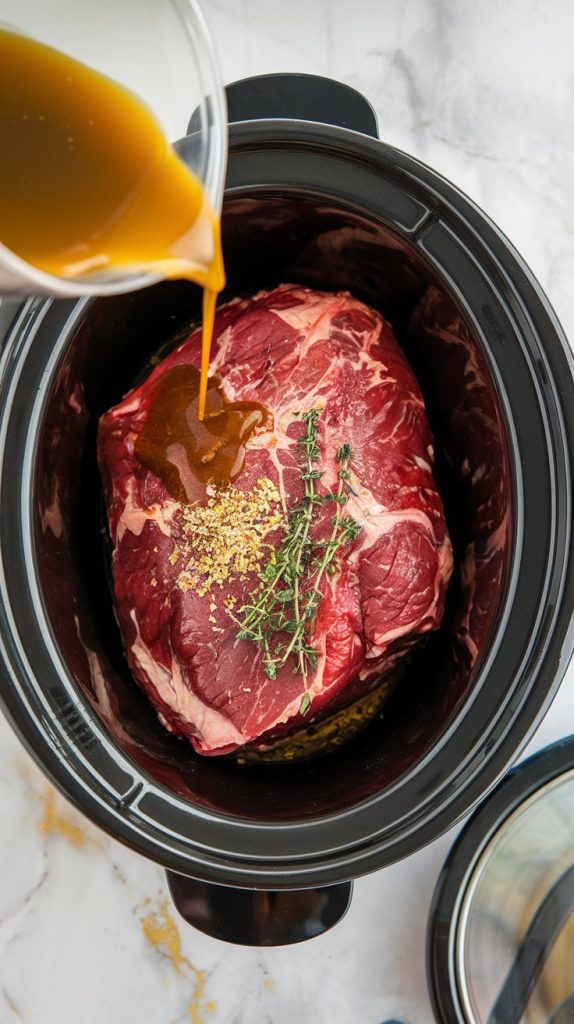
(89, 184)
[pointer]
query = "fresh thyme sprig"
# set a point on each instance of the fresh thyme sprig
(286, 603)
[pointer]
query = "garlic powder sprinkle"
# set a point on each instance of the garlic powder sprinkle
(225, 536)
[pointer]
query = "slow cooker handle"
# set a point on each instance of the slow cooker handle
(300, 98)
(249, 917)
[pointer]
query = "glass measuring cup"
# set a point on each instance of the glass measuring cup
(161, 51)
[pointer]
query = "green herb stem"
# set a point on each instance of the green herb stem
(277, 612)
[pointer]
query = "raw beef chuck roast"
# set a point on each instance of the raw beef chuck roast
(342, 420)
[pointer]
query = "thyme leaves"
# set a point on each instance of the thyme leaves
(284, 605)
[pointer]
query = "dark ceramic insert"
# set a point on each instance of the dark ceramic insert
(325, 247)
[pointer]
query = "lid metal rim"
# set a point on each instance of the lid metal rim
(510, 797)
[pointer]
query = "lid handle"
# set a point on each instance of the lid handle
(534, 950)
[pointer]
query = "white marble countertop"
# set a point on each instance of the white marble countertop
(484, 93)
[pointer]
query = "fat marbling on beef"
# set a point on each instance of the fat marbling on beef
(291, 349)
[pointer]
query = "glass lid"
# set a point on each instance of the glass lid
(501, 934)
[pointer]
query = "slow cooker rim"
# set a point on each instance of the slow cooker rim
(308, 869)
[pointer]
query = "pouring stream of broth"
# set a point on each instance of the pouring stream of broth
(89, 184)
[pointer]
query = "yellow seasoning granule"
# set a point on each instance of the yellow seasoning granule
(225, 536)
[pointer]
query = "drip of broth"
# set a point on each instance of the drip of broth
(89, 184)
(187, 453)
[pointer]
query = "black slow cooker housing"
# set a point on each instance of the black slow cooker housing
(334, 208)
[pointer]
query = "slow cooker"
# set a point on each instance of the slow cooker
(266, 853)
